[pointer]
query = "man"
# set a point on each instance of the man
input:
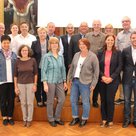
(51, 33)
(23, 38)
(123, 41)
(96, 38)
(65, 42)
(73, 48)
(129, 80)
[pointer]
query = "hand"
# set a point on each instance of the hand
(107, 80)
(34, 88)
(45, 87)
(65, 86)
(17, 90)
(92, 88)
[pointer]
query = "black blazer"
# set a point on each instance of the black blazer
(73, 48)
(128, 65)
(115, 65)
(64, 39)
(37, 53)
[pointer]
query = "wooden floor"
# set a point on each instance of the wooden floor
(40, 126)
(44, 129)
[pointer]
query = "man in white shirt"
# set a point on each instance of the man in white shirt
(24, 38)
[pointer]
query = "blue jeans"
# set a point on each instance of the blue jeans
(128, 88)
(84, 90)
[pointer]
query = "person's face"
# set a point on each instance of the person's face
(42, 34)
(126, 23)
(5, 45)
(14, 29)
(54, 46)
(109, 30)
(82, 47)
(133, 40)
(96, 26)
(2, 29)
(51, 29)
(110, 42)
(24, 52)
(70, 29)
(83, 28)
(24, 28)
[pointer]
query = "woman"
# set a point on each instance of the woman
(110, 66)
(25, 81)
(7, 61)
(83, 74)
(54, 80)
(39, 48)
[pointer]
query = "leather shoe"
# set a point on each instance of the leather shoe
(126, 124)
(53, 123)
(74, 121)
(82, 123)
(59, 122)
(134, 123)
(95, 105)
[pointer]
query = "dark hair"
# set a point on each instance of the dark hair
(24, 22)
(5, 37)
(132, 33)
(30, 52)
(85, 41)
(105, 45)
(14, 24)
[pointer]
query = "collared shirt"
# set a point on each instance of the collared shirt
(96, 41)
(134, 58)
(123, 39)
(20, 40)
(53, 69)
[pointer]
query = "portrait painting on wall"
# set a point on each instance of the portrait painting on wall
(17, 11)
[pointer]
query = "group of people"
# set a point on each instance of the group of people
(90, 61)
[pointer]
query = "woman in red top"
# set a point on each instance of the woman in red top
(110, 66)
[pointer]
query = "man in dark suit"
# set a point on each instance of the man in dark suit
(129, 80)
(65, 41)
(73, 48)
(51, 33)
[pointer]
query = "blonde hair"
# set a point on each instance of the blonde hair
(109, 26)
(53, 40)
(42, 29)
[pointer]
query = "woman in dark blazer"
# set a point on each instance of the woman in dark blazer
(39, 48)
(110, 63)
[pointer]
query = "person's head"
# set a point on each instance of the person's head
(53, 44)
(51, 28)
(25, 51)
(109, 29)
(126, 23)
(133, 39)
(5, 42)
(96, 25)
(24, 28)
(84, 44)
(109, 42)
(14, 29)
(83, 28)
(70, 29)
(42, 32)
(2, 29)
